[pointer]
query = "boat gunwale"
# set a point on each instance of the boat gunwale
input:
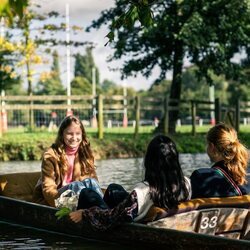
(164, 236)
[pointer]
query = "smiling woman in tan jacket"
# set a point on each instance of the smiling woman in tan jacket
(67, 164)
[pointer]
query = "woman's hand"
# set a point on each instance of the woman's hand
(76, 216)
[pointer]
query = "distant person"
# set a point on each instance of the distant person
(164, 185)
(156, 122)
(227, 176)
(67, 164)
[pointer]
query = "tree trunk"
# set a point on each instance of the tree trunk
(28, 73)
(27, 38)
(175, 90)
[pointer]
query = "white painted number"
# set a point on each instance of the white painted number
(211, 223)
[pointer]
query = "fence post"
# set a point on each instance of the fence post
(137, 115)
(100, 117)
(217, 110)
(193, 110)
(237, 115)
(166, 116)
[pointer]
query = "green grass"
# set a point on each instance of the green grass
(118, 142)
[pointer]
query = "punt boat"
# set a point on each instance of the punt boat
(210, 223)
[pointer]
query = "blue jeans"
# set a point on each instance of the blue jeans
(77, 186)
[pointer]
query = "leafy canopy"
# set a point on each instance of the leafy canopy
(211, 33)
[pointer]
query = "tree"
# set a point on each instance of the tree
(55, 66)
(8, 76)
(50, 83)
(208, 33)
(240, 89)
(36, 33)
(10, 8)
(81, 86)
(197, 88)
(84, 65)
(107, 86)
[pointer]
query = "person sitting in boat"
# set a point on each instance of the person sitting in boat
(227, 176)
(67, 165)
(164, 185)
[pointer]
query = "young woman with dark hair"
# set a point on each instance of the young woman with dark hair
(163, 173)
(164, 185)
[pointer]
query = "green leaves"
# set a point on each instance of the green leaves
(62, 213)
(137, 11)
(145, 15)
(12, 8)
(110, 36)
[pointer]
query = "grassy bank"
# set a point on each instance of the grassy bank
(117, 142)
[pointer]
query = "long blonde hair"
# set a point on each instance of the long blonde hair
(84, 151)
(234, 153)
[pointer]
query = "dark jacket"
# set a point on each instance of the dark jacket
(207, 182)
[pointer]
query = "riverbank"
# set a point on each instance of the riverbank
(116, 143)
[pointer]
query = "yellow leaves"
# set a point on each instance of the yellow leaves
(21, 63)
(6, 45)
(8, 70)
(36, 59)
(10, 9)
(4, 7)
(76, 28)
(29, 52)
(44, 76)
(30, 48)
(13, 75)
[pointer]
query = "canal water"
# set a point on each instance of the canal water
(126, 172)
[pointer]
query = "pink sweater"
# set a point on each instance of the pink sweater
(70, 154)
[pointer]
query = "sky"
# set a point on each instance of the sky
(81, 13)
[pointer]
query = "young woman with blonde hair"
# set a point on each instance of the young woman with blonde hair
(67, 164)
(227, 176)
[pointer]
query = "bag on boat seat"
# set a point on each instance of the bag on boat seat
(156, 213)
(19, 185)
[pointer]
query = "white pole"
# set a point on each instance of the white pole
(2, 27)
(68, 55)
(125, 97)
(125, 111)
(2, 110)
(211, 99)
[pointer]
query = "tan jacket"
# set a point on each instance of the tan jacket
(46, 189)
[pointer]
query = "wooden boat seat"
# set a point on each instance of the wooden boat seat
(228, 217)
(19, 185)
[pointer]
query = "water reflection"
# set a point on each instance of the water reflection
(17, 237)
(128, 172)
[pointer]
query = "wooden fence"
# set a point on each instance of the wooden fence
(134, 108)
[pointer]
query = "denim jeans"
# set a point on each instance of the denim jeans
(77, 186)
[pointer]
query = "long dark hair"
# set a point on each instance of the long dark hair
(163, 172)
(85, 153)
